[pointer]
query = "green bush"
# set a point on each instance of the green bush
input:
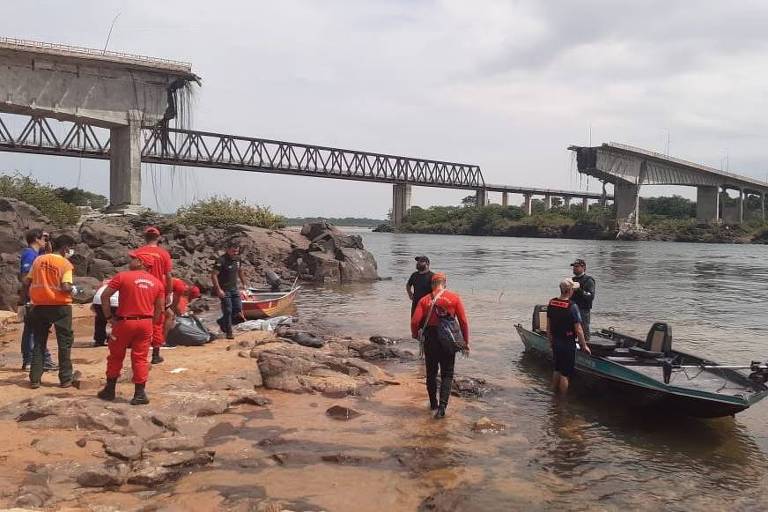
(224, 211)
(42, 197)
(80, 197)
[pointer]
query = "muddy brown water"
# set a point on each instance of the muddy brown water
(588, 451)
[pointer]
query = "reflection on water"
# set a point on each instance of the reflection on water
(587, 449)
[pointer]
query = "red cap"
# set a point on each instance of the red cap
(147, 260)
(194, 292)
(438, 276)
(152, 230)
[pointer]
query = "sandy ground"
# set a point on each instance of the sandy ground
(289, 455)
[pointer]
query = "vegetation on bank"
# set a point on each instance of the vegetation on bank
(221, 212)
(663, 218)
(58, 204)
(363, 222)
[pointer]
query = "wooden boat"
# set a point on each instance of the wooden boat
(259, 304)
(650, 374)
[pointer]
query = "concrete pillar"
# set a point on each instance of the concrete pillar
(585, 203)
(707, 204)
(401, 202)
(504, 199)
(125, 164)
(527, 205)
(481, 197)
(741, 205)
(626, 196)
(762, 205)
(547, 202)
(567, 203)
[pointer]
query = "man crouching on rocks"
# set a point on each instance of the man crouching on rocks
(142, 301)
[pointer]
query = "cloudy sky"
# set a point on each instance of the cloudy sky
(507, 85)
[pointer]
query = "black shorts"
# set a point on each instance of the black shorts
(564, 356)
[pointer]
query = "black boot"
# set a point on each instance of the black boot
(432, 403)
(156, 359)
(108, 393)
(139, 395)
(440, 414)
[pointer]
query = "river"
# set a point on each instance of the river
(585, 452)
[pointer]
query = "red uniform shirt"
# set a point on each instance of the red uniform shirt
(162, 261)
(138, 292)
(179, 289)
(450, 302)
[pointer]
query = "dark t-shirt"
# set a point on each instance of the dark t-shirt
(422, 284)
(584, 296)
(227, 269)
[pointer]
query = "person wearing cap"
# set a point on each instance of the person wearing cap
(420, 282)
(49, 286)
(36, 241)
(438, 303)
(564, 327)
(161, 269)
(583, 292)
(226, 271)
(182, 294)
(142, 301)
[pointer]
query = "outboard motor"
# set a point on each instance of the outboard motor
(273, 280)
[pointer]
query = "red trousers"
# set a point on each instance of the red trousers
(136, 335)
(158, 332)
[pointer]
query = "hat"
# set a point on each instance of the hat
(438, 276)
(579, 262)
(147, 260)
(194, 292)
(422, 258)
(152, 230)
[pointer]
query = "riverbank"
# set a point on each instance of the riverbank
(255, 424)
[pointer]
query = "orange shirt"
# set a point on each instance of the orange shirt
(48, 273)
(450, 302)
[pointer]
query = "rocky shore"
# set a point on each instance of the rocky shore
(272, 421)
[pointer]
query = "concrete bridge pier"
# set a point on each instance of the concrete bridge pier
(627, 199)
(707, 204)
(762, 206)
(567, 203)
(125, 163)
(481, 197)
(527, 205)
(741, 205)
(547, 202)
(585, 203)
(504, 199)
(401, 202)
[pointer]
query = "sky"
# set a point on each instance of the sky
(506, 85)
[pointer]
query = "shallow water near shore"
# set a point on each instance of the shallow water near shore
(586, 451)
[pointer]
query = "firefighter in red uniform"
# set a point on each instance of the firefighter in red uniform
(142, 300)
(161, 269)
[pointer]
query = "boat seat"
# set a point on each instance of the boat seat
(658, 343)
(602, 346)
(540, 319)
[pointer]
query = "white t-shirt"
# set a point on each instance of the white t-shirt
(113, 300)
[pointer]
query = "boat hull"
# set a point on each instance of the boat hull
(638, 389)
(258, 307)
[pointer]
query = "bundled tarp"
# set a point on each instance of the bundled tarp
(266, 324)
(188, 332)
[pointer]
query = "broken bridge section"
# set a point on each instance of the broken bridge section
(629, 168)
(121, 92)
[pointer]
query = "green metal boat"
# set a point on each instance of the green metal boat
(649, 373)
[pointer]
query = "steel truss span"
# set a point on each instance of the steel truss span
(215, 150)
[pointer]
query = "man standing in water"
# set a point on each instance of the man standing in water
(583, 292)
(564, 326)
(420, 282)
(439, 354)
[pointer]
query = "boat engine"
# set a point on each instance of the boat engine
(759, 372)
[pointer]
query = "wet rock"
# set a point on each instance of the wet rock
(486, 425)
(103, 475)
(338, 412)
(126, 448)
(174, 444)
(470, 387)
(249, 398)
(305, 339)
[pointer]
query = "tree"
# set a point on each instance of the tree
(469, 201)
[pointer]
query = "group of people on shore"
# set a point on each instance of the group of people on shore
(140, 303)
(439, 321)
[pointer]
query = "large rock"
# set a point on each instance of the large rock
(108, 474)
(86, 289)
(96, 233)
